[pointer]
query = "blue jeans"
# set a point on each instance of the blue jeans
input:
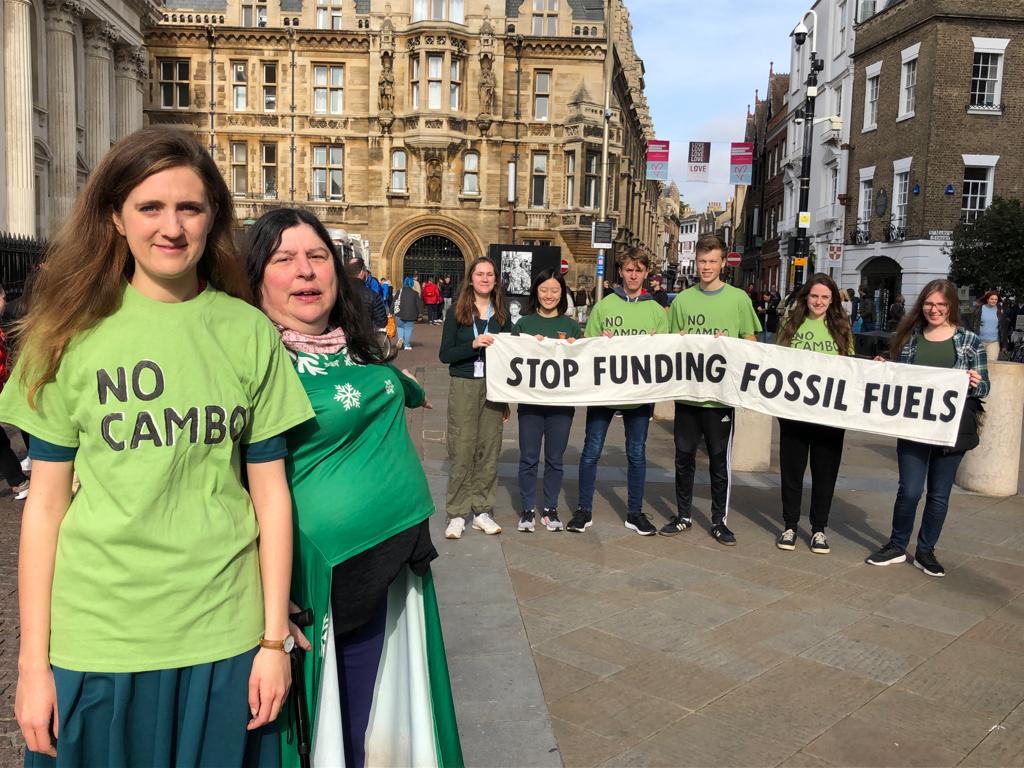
(635, 421)
(918, 464)
(405, 331)
(552, 424)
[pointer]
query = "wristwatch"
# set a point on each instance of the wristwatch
(285, 645)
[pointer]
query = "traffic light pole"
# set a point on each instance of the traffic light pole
(801, 251)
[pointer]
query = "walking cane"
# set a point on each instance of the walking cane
(297, 694)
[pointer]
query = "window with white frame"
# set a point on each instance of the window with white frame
(414, 80)
(979, 178)
(238, 85)
(545, 17)
(174, 83)
(269, 86)
(592, 180)
(439, 10)
(570, 179)
(328, 89)
(837, 100)
(328, 172)
(900, 195)
(842, 17)
(538, 179)
(872, 78)
(987, 75)
(867, 198)
(398, 170)
(435, 65)
(254, 13)
(471, 173)
(239, 169)
(268, 164)
(542, 95)
(455, 84)
(833, 184)
(328, 14)
(908, 82)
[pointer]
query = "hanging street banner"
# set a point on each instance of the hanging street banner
(698, 162)
(741, 163)
(657, 160)
(912, 402)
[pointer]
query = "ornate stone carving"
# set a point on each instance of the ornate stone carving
(128, 59)
(434, 176)
(99, 38)
(488, 85)
(63, 14)
(386, 85)
(434, 123)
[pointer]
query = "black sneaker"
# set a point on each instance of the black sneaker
(550, 520)
(723, 535)
(926, 562)
(787, 540)
(526, 524)
(581, 520)
(676, 525)
(887, 555)
(640, 523)
(819, 544)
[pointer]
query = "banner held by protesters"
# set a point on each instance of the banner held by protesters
(922, 404)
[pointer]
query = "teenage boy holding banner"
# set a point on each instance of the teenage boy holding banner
(710, 308)
(627, 311)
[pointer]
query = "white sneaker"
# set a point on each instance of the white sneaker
(455, 528)
(484, 522)
(26, 465)
(20, 491)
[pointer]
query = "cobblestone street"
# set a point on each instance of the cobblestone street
(606, 648)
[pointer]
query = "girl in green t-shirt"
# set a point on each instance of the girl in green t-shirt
(154, 602)
(544, 318)
(817, 322)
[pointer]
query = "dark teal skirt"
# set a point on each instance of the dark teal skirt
(193, 716)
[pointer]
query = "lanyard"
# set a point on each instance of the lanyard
(490, 313)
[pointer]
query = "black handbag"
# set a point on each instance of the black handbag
(967, 437)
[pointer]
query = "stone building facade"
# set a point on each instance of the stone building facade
(73, 73)
(404, 121)
(935, 133)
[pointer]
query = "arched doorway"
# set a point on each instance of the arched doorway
(883, 279)
(434, 256)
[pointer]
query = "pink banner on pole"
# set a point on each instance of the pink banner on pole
(741, 162)
(657, 160)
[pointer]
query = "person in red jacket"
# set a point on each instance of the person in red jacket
(433, 299)
(10, 466)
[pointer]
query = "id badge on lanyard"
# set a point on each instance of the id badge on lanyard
(478, 364)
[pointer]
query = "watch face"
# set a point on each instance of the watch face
(289, 643)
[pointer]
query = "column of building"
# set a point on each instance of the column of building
(129, 63)
(18, 145)
(61, 19)
(99, 38)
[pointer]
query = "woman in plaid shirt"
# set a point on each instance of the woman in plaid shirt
(931, 334)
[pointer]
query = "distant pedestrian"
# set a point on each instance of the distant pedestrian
(545, 318)
(474, 422)
(931, 335)
(817, 323)
(990, 325)
(584, 300)
(447, 293)
(355, 269)
(10, 467)
(896, 312)
(407, 309)
(433, 300)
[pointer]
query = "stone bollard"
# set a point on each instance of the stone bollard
(993, 468)
(752, 442)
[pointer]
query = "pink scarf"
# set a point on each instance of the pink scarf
(328, 343)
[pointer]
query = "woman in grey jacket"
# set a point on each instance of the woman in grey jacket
(408, 306)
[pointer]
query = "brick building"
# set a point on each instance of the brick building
(402, 121)
(936, 132)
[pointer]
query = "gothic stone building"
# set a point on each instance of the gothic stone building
(403, 121)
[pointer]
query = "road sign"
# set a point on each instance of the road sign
(601, 233)
(734, 259)
(564, 266)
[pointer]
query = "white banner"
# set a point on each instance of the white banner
(913, 402)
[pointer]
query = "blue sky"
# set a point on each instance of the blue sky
(703, 61)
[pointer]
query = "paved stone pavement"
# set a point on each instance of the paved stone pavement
(608, 648)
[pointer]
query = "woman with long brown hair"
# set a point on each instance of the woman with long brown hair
(817, 322)
(474, 422)
(153, 603)
(930, 334)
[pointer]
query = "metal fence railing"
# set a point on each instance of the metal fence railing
(18, 257)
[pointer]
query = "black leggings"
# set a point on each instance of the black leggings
(824, 446)
(715, 426)
(10, 464)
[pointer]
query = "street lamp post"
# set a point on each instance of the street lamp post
(609, 53)
(802, 242)
(513, 166)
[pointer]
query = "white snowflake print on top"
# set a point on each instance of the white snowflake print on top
(345, 356)
(389, 387)
(347, 395)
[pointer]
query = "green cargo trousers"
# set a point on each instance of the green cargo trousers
(474, 442)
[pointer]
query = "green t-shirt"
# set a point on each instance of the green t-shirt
(355, 476)
(156, 564)
(814, 335)
(624, 317)
(538, 325)
(727, 310)
(937, 354)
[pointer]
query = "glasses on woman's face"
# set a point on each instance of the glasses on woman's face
(941, 306)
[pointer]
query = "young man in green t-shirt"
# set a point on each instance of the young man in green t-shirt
(712, 308)
(627, 311)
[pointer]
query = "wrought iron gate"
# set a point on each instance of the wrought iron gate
(434, 256)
